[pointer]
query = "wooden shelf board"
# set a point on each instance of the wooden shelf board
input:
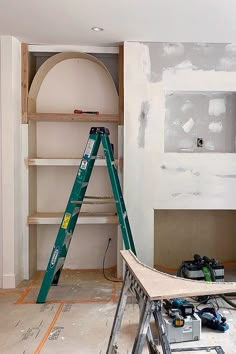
(43, 218)
(71, 117)
(36, 161)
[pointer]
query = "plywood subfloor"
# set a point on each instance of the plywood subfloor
(78, 318)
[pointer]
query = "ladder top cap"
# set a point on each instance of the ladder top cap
(99, 130)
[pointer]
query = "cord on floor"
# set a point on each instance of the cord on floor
(103, 265)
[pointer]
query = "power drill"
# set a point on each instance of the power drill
(178, 309)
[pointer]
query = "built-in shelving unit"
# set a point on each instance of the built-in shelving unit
(54, 144)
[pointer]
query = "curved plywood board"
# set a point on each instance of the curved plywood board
(158, 285)
(81, 73)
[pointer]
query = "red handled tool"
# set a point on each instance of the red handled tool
(79, 111)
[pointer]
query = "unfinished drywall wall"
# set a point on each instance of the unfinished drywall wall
(74, 84)
(179, 234)
(153, 178)
(200, 122)
(11, 206)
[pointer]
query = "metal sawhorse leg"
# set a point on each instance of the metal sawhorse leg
(146, 310)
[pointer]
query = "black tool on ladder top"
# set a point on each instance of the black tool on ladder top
(56, 262)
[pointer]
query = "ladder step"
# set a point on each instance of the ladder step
(94, 197)
(94, 202)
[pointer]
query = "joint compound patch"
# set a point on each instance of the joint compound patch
(84, 164)
(54, 257)
(188, 125)
(65, 221)
(216, 107)
(186, 106)
(143, 118)
(89, 147)
(215, 127)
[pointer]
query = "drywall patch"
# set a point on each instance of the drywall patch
(196, 194)
(181, 169)
(197, 174)
(216, 107)
(176, 122)
(209, 145)
(231, 47)
(186, 65)
(186, 145)
(176, 49)
(143, 123)
(226, 176)
(188, 125)
(146, 63)
(227, 62)
(215, 127)
(172, 57)
(175, 194)
(187, 106)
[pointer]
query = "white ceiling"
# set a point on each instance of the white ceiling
(69, 21)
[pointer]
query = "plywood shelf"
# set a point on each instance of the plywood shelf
(71, 117)
(44, 218)
(37, 161)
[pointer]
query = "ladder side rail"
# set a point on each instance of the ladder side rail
(117, 192)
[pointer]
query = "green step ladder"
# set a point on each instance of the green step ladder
(64, 236)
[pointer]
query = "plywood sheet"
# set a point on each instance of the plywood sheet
(158, 285)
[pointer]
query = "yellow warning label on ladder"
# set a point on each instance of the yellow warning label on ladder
(65, 221)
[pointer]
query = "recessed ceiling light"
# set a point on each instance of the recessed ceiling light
(97, 29)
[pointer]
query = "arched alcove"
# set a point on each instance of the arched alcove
(95, 79)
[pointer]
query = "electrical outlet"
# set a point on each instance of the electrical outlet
(200, 142)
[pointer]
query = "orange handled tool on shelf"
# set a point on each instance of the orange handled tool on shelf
(79, 111)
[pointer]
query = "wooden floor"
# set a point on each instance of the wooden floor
(77, 318)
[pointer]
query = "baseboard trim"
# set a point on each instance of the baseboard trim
(10, 281)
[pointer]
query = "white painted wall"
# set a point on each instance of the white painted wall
(157, 180)
(11, 161)
(74, 84)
